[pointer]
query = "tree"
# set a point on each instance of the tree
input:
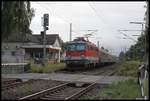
(121, 55)
(16, 19)
(140, 50)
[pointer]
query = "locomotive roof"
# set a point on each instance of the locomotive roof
(87, 42)
(76, 42)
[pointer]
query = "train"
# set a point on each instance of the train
(85, 54)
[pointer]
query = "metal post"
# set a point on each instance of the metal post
(59, 56)
(44, 44)
(98, 44)
(45, 24)
(70, 31)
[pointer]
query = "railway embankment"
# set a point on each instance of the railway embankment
(128, 89)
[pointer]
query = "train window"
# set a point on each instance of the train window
(80, 47)
(76, 47)
(71, 47)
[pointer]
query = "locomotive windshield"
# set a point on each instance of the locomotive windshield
(76, 47)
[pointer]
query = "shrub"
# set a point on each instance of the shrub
(129, 68)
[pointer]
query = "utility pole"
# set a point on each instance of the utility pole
(98, 44)
(70, 31)
(45, 27)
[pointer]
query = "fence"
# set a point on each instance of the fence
(142, 76)
(13, 68)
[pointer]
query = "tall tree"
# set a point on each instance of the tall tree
(16, 19)
(121, 55)
(140, 50)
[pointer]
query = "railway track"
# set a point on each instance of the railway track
(64, 91)
(13, 84)
(6, 83)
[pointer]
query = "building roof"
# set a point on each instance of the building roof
(50, 39)
(40, 46)
(37, 38)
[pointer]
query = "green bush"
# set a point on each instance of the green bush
(32, 67)
(27, 67)
(53, 67)
(129, 68)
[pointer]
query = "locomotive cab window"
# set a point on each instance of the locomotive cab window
(76, 47)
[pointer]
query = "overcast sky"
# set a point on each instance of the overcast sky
(106, 17)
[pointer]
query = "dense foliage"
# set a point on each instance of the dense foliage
(128, 68)
(137, 51)
(16, 19)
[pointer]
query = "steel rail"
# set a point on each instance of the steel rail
(74, 96)
(41, 93)
(17, 84)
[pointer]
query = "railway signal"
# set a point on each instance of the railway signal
(46, 20)
(43, 34)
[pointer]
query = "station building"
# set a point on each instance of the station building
(17, 52)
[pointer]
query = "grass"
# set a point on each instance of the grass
(127, 89)
(129, 68)
(53, 67)
(44, 69)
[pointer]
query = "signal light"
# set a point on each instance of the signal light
(46, 19)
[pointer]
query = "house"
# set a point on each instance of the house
(12, 52)
(18, 52)
(34, 48)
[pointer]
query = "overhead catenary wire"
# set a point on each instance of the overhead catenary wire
(100, 17)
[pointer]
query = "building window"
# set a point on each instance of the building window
(17, 47)
(13, 53)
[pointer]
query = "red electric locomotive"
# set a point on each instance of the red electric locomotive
(81, 52)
